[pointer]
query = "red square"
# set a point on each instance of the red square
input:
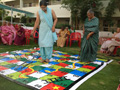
(89, 67)
(59, 73)
(4, 54)
(28, 71)
(67, 55)
(52, 86)
(62, 64)
(64, 59)
(13, 61)
(2, 68)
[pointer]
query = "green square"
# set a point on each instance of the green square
(84, 70)
(63, 82)
(49, 78)
(66, 70)
(10, 65)
(4, 63)
(94, 65)
(26, 80)
(38, 68)
(55, 67)
(70, 63)
(14, 75)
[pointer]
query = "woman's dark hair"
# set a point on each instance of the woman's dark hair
(43, 2)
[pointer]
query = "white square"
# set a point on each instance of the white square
(46, 65)
(38, 74)
(7, 71)
(71, 77)
(71, 67)
(38, 84)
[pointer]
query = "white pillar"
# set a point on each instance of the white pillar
(11, 16)
(21, 4)
(39, 0)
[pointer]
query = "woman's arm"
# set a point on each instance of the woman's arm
(55, 20)
(83, 29)
(36, 23)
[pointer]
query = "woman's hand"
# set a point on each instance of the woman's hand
(53, 29)
(32, 33)
(83, 31)
(88, 36)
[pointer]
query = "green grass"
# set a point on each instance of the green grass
(107, 79)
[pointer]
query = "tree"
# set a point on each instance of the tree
(79, 9)
(110, 11)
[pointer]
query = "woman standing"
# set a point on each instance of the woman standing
(47, 35)
(90, 38)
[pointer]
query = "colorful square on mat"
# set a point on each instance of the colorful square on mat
(2, 68)
(13, 61)
(49, 78)
(52, 86)
(38, 84)
(62, 64)
(89, 67)
(63, 82)
(28, 71)
(78, 73)
(38, 74)
(72, 77)
(47, 70)
(59, 73)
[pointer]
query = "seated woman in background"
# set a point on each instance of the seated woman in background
(6, 34)
(62, 37)
(0, 31)
(20, 36)
(11, 27)
(72, 30)
(109, 45)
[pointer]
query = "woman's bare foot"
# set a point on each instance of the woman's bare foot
(42, 61)
(47, 60)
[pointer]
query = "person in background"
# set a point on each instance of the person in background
(90, 39)
(6, 34)
(11, 27)
(118, 87)
(104, 46)
(63, 33)
(20, 36)
(72, 30)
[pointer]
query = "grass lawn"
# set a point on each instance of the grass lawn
(107, 79)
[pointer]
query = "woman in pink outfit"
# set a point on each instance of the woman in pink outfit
(12, 29)
(6, 34)
(20, 36)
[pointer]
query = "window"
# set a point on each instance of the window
(30, 4)
(105, 25)
(48, 2)
(118, 24)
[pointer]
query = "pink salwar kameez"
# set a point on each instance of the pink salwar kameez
(6, 35)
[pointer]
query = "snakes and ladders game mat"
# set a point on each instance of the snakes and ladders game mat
(63, 72)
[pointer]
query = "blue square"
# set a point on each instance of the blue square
(78, 73)
(78, 65)
(56, 58)
(7, 59)
(53, 62)
(19, 68)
